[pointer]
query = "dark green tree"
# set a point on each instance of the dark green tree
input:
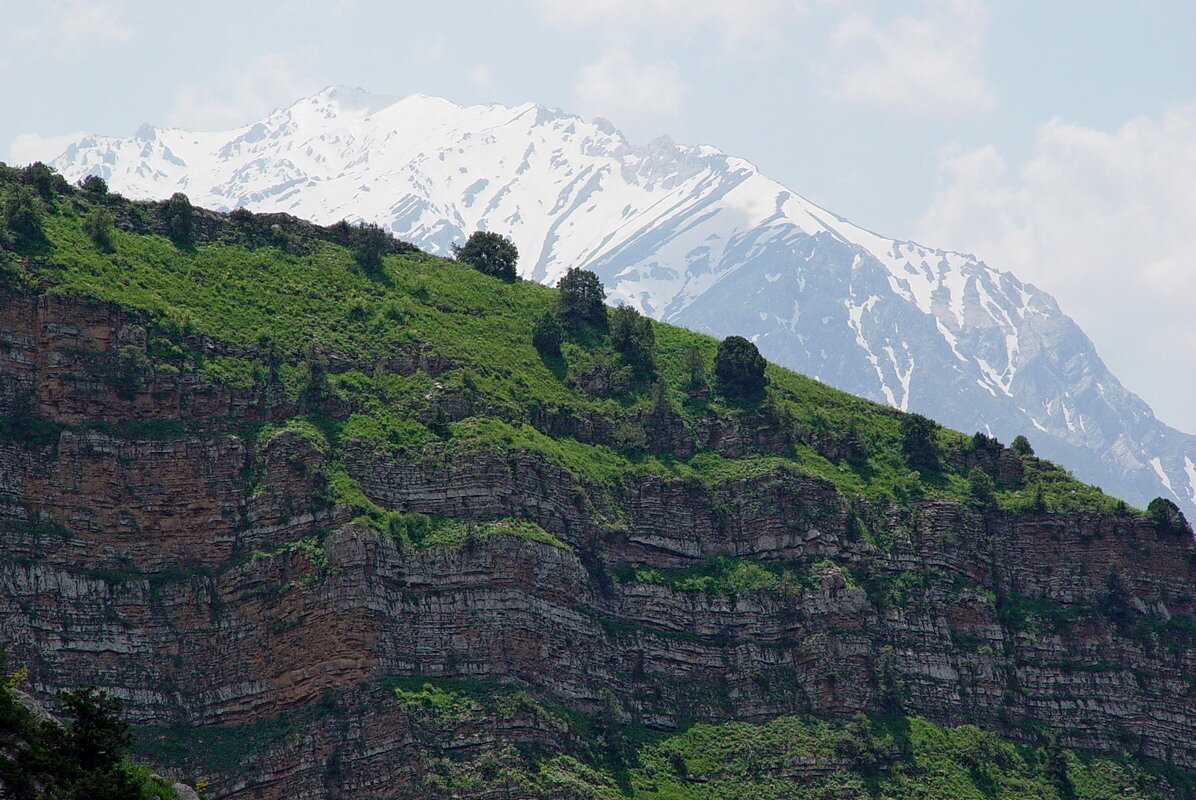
(88, 753)
(1056, 767)
(370, 243)
(315, 390)
(96, 734)
(982, 441)
(547, 335)
(341, 233)
(739, 368)
(919, 441)
(579, 304)
(490, 254)
(97, 224)
(94, 185)
(43, 180)
(178, 217)
(1021, 446)
(1167, 516)
(631, 334)
(21, 215)
(694, 365)
(981, 490)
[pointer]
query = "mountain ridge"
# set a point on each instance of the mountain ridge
(691, 235)
(338, 528)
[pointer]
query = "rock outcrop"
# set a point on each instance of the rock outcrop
(254, 627)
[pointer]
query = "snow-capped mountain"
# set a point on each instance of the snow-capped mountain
(690, 235)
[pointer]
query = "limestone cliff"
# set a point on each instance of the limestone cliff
(166, 570)
(316, 571)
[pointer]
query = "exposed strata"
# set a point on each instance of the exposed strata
(161, 568)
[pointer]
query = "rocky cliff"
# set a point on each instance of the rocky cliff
(313, 572)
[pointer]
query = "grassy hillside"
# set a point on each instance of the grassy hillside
(428, 358)
(295, 309)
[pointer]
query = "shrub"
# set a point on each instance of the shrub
(97, 224)
(981, 490)
(739, 368)
(1021, 446)
(580, 301)
(43, 180)
(490, 254)
(21, 215)
(370, 243)
(1167, 516)
(341, 233)
(178, 217)
(94, 185)
(547, 335)
(631, 334)
(919, 442)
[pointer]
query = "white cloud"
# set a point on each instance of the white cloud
(628, 91)
(245, 93)
(733, 20)
(76, 26)
(482, 78)
(932, 61)
(1103, 220)
(30, 147)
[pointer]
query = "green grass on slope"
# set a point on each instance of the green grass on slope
(284, 312)
(788, 758)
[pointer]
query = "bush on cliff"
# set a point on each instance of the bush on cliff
(919, 442)
(1167, 516)
(369, 245)
(21, 216)
(631, 335)
(1021, 446)
(547, 335)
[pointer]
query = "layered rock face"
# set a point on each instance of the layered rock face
(155, 548)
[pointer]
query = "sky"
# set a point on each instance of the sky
(1055, 140)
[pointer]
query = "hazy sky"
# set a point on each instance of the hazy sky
(1055, 139)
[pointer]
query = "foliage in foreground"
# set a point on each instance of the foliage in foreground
(83, 759)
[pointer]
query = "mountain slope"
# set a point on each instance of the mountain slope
(333, 529)
(688, 235)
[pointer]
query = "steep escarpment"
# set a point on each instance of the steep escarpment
(329, 532)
